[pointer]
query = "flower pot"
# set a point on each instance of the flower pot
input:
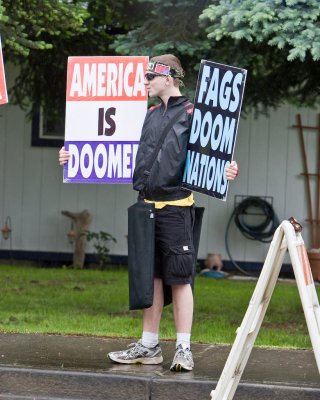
(314, 259)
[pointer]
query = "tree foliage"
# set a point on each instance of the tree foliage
(169, 27)
(26, 25)
(50, 31)
(277, 41)
(290, 25)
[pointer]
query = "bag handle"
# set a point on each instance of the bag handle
(165, 131)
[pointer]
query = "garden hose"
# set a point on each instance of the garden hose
(262, 232)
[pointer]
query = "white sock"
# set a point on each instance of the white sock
(150, 339)
(183, 339)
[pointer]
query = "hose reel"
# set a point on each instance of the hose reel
(262, 231)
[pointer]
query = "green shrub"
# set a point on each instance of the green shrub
(101, 241)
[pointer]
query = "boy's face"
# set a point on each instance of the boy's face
(157, 85)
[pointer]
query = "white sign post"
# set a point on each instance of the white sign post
(285, 238)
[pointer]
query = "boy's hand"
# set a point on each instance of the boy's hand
(232, 171)
(64, 156)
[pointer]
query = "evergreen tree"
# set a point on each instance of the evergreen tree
(277, 41)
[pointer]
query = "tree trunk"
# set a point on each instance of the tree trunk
(82, 221)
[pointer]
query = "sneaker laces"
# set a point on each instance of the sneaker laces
(185, 353)
(135, 349)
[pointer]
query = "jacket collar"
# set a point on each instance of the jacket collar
(173, 101)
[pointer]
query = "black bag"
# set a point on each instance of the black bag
(141, 255)
(197, 229)
(141, 237)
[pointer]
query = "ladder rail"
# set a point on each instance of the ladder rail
(285, 238)
(247, 332)
(306, 288)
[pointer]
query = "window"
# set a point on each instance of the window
(47, 132)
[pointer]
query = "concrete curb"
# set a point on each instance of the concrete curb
(40, 384)
(44, 367)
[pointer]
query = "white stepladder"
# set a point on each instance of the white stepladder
(287, 236)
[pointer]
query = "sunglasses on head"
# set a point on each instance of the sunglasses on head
(150, 77)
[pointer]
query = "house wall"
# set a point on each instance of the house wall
(33, 195)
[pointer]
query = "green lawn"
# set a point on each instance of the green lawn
(95, 302)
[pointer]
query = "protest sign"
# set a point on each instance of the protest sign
(3, 87)
(106, 103)
(214, 128)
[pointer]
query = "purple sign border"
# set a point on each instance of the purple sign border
(93, 178)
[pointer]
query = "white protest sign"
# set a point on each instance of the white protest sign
(3, 87)
(106, 103)
(214, 127)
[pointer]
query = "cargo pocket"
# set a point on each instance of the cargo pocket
(179, 261)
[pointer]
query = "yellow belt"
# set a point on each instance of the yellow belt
(186, 202)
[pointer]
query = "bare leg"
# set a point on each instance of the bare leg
(152, 315)
(151, 321)
(182, 297)
(183, 313)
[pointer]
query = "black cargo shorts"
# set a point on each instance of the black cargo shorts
(174, 251)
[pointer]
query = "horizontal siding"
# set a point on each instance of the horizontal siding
(33, 195)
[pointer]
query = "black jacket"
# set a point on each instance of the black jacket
(164, 182)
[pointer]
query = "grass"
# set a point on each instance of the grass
(91, 302)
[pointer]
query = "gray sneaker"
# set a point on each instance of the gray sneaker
(137, 354)
(182, 360)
